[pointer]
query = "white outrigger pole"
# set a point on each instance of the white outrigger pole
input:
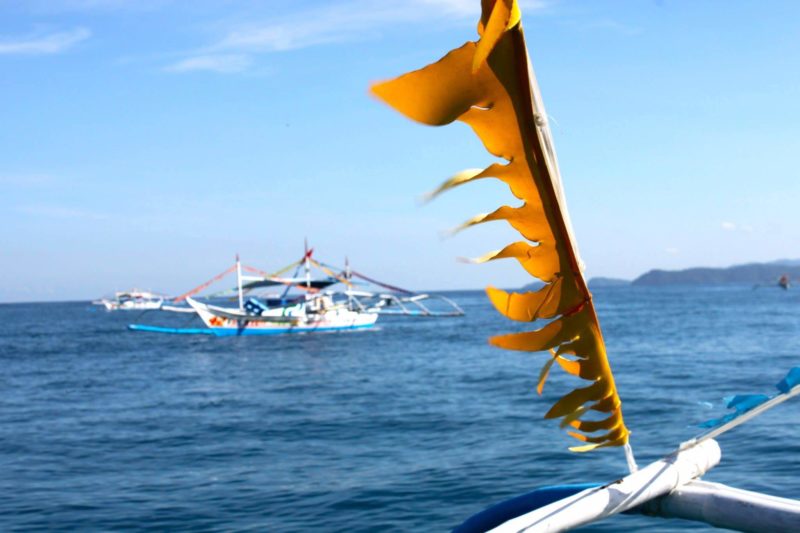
(306, 263)
(669, 488)
(652, 481)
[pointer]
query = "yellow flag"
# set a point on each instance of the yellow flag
(490, 85)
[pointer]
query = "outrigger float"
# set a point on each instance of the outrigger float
(490, 85)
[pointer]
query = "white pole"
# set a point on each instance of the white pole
(348, 286)
(239, 282)
(306, 264)
(652, 481)
(727, 507)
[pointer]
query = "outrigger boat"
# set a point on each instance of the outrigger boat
(133, 300)
(316, 310)
(490, 85)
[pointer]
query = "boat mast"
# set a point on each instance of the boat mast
(349, 287)
(239, 282)
(306, 263)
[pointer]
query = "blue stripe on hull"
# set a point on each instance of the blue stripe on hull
(231, 332)
(174, 331)
(501, 513)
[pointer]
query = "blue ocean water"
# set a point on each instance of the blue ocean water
(411, 427)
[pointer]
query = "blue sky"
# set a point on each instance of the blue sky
(145, 142)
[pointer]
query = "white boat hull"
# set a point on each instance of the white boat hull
(230, 322)
(111, 305)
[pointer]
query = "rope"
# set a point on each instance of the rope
(285, 269)
(340, 279)
(296, 271)
(365, 278)
(204, 285)
(384, 285)
(271, 277)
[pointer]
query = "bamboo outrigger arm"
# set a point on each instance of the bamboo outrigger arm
(726, 507)
(657, 479)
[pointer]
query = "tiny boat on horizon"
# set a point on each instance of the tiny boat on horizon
(133, 300)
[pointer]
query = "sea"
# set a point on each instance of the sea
(413, 426)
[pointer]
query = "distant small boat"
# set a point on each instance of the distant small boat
(783, 282)
(133, 300)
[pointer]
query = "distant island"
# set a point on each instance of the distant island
(593, 283)
(751, 273)
(608, 282)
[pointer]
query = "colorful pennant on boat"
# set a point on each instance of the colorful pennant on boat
(489, 85)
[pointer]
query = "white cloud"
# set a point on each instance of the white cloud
(330, 23)
(221, 63)
(333, 22)
(65, 6)
(672, 251)
(740, 228)
(52, 43)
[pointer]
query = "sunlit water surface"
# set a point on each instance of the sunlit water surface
(411, 427)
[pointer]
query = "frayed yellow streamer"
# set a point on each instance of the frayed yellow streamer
(488, 85)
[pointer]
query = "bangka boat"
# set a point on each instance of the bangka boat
(133, 300)
(490, 85)
(314, 310)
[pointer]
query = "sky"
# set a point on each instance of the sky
(144, 143)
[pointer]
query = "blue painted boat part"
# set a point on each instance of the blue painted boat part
(173, 331)
(239, 332)
(504, 511)
(231, 332)
(742, 403)
(791, 380)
